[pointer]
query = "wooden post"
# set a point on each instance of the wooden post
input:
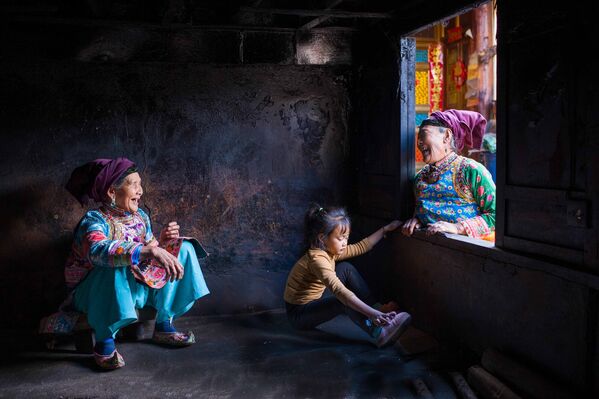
(483, 43)
(524, 379)
(421, 389)
(462, 386)
(487, 386)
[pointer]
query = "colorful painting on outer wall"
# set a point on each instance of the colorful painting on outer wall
(435, 61)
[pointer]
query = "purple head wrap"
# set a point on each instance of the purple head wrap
(93, 179)
(468, 127)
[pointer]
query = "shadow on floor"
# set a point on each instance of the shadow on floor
(242, 356)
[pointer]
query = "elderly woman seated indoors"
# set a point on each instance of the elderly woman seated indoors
(117, 266)
(454, 194)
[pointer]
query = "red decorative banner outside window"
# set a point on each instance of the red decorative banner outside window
(459, 74)
(454, 34)
(435, 62)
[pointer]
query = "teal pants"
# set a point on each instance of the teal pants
(109, 296)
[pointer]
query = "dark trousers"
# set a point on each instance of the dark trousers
(310, 315)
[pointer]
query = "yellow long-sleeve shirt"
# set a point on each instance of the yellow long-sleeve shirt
(315, 271)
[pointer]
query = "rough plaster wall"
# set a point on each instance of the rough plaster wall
(480, 303)
(234, 154)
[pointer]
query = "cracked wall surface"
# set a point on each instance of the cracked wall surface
(233, 153)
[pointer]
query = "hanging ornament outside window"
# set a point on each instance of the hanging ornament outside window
(459, 74)
(435, 61)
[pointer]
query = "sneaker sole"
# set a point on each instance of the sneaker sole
(396, 334)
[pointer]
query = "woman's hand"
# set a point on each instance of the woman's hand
(381, 319)
(445, 227)
(166, 260)
(170, 231)
(391, 226)
(409, 226)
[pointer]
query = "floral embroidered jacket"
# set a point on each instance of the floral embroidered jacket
(464, 192)
(107, 237)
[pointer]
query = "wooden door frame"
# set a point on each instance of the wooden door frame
(404, 203)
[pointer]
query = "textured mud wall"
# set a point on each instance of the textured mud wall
(234, 153)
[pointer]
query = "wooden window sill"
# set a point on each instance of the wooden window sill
(487, 249)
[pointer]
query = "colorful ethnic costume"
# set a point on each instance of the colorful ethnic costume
(104, 272)
(105, 277)
(459, 189)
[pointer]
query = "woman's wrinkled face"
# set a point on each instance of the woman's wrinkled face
(336, 242)
(127, 196)
(433, 143)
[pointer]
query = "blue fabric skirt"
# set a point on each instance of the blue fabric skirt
(109, 296)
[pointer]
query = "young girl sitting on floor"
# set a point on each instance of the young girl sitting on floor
(326, 234)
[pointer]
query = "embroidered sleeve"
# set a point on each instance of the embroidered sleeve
(324, 269)
(481, 183)
(101, 251)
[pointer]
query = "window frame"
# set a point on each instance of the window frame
(586, 260)
(407, 141)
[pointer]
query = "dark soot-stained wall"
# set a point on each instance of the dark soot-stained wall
(479, 302)
(539, 306)
(234, 153)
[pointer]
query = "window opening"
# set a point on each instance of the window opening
(455, 68)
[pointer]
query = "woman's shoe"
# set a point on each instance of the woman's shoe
(391, 332)
(174, 338)
(109, 362)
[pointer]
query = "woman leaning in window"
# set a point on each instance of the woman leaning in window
(454, 194)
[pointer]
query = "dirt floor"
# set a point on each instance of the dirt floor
(242, 356)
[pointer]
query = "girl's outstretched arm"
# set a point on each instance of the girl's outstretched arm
(375, 237)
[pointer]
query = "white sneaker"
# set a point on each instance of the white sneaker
(391, 332)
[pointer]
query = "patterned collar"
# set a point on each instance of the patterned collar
(113, 211)
(431, 173)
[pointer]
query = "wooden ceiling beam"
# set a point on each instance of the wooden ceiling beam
(107, 23)
(317, 21)
(318, 13)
